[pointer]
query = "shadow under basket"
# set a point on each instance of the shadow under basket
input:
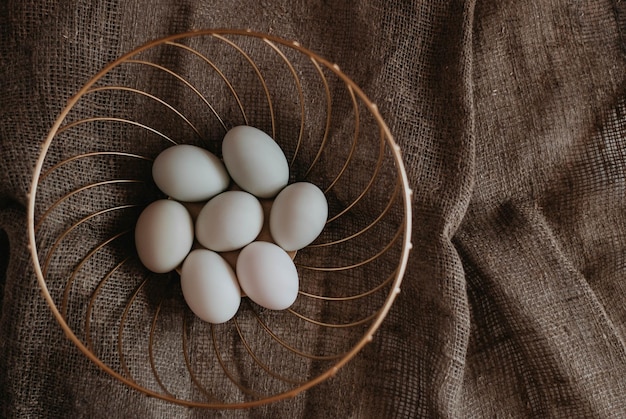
(93, 178)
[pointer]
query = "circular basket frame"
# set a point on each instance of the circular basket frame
(405, 195)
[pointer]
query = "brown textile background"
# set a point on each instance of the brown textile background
(512, 119)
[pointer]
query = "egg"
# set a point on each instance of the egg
(267, 275)
(210, 286)
(189, 173)
(163, 235)
(255, 161)
(229, 221)
(298, 215)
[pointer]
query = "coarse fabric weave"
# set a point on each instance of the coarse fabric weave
(511, 116)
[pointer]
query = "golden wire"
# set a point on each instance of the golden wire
(355, 138)
(186, 83)
(259, 75)
(156, 99)
(291, 348)
(219, 72)
(329, 107)
(92, 301)
(120, 332)
(296, 79)
(82, 189)
(351, 297)
(226, 370)
(366, 228)
(92, 154)
(259, 362)
(75, 225)
(334, 325)
(367, 187)
(113, 119)
(192, 375)
(395, 238)
(72, 277)
(151, 349)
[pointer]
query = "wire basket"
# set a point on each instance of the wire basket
(93, 178)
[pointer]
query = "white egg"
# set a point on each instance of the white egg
(229, 221)
(267, 275)
(210, 286)
(298, 215)
(189, 173)
(255, 161)
(163, 235)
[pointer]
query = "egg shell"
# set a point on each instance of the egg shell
(267, 275)
(229, 221)
(298, 215)
(189, 173)
(255, 161)
(163, 235)
(210, 286)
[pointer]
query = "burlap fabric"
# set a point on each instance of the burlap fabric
(512, 120)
